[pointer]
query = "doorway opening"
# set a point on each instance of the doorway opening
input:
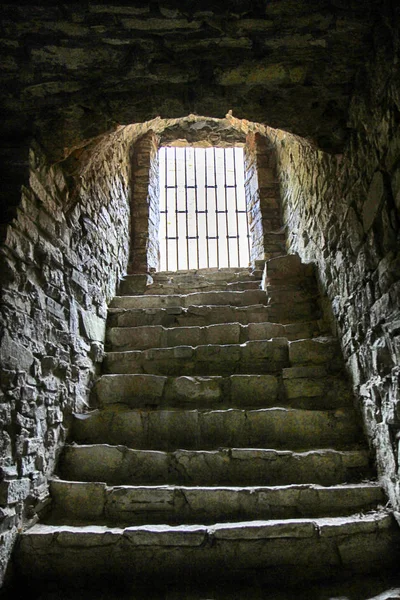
(203, 212)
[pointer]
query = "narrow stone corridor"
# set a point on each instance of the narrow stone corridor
(224, 445)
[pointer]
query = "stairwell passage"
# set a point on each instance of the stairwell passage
(224, 445)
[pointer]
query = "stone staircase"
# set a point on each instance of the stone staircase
(225, 446)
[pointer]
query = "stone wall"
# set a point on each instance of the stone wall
(59, 265)
(263, 196)
(145, 209)
(343, 212)
(63, 256)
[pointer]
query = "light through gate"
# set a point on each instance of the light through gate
(203, 209)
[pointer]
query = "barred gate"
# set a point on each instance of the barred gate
(203, 213)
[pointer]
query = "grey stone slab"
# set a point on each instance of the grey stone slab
(145, 388)
(14, 490)
(251, 357)
(288, 267)
(240, 298)
(82, 500)
(213, 391)
(256, 530)
(179, 504)
(316, 352)
(246, 389)
(329, 390)
(113, 464)
(159, 550)
(265, 331)
(172, 287)
(200, 316)
(118, 465)
(127, 338)
(209, 429)
(188, 336)
(195, 390)
(305, 372)
(94, 327)
(165, 535)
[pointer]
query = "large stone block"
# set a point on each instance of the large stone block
(14, 490)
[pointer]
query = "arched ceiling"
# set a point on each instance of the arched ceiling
(73, 71)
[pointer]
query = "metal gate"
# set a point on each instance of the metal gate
(203, 209)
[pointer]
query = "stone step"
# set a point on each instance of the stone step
(294, 300)
(288, 268)
(280, 428)
(298, 387)
(201, 316)
(283, 550)
(157, 336)
(244, 298)
(193, 279)
(292, 295)
(129, 287)
(119, 465)
(74, 501)
(259, 356)
(205, 286)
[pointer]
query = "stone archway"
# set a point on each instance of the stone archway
(261, 185)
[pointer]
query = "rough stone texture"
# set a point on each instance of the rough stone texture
(263, 199)
(343, 213)
(207, 429)
(61, 259)
(120, 465)
(145, 209)
(77, 501)
(320, 545)
(86, 69)
(161, 456)
(71, 73)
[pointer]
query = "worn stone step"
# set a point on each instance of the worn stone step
(157, 336)
(290, 550)
(253, 357)
(212, 274)
(288, 268)
(280, 428)
(187, 288)
(291, 297)
(74, 501)
(193, 279)
(119, 465)
(267, 356)
(201, 316)
(299, 387)
(244, 298)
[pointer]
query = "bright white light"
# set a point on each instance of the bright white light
(200, 202)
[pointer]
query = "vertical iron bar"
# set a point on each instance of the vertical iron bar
(186, 215)
(236, 206)
(247, 213)
(226, 208)
(216, 205)
(176, 210)
(166, 158)
(206, 207)
(195, 208)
